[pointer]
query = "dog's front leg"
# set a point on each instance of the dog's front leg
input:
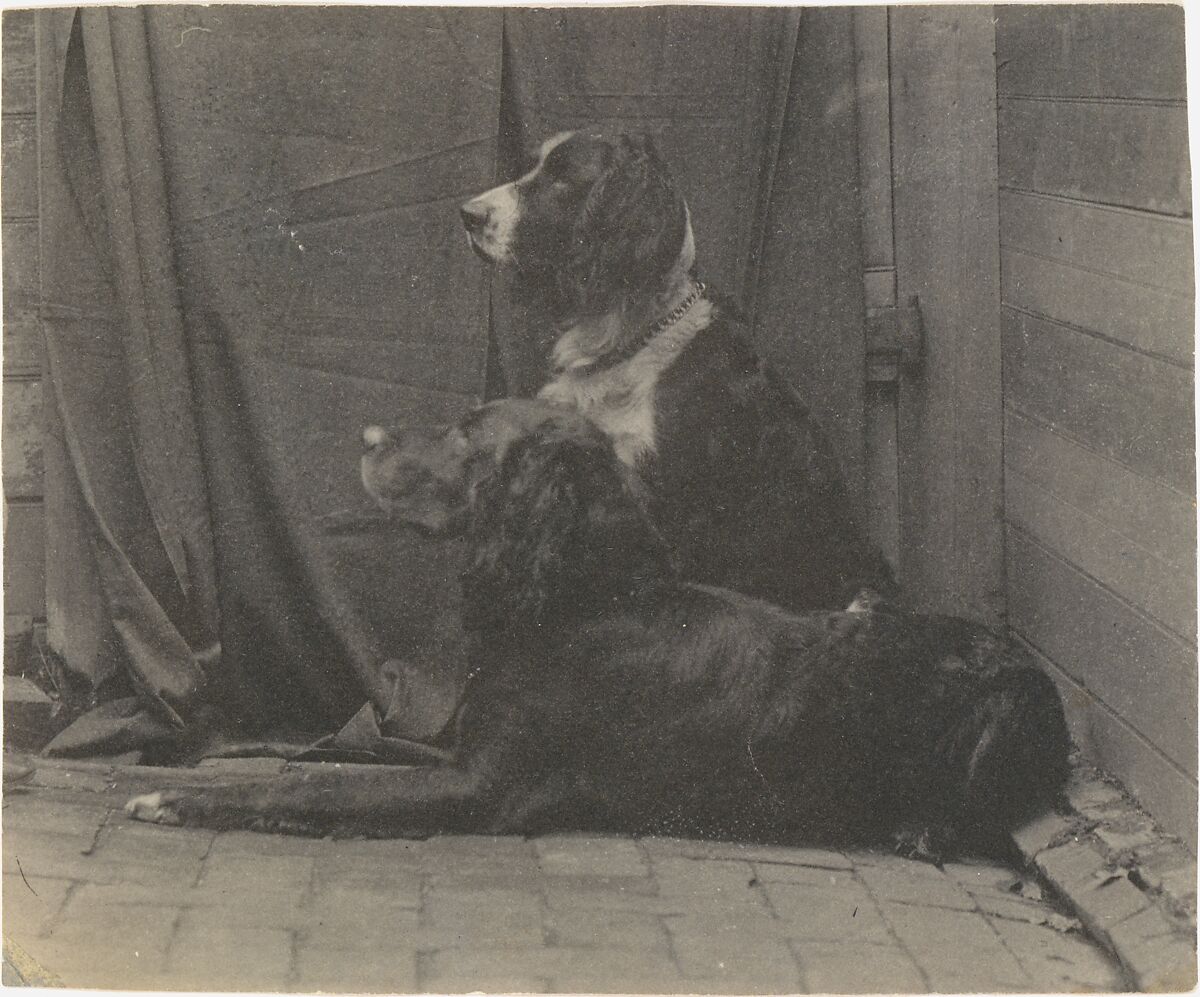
(400, 802)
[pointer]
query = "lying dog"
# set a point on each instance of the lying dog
(743, 483)
(607, 695)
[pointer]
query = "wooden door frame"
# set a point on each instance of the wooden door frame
(927, 138)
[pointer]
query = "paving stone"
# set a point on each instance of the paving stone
(487, 917)
(745, 923)
(1040, 833)
(142, 844)
(363, 929)
(343, 895)
(60, 856)
(207, 957)
(34, 848)
(741, 851)
(810, 875)
(358, 872)
(503, 969)
(381, 969)
(104, 947)
(399, 852)
(731, 881)
(29, 902)
(837, 968)
(915, 886)
(43, 813)
(1170, 867)
(732, 950)
(1124, 840)
(572, 855)
(609, 970)
(982, 876)
(827, 914)
(634, 895)
(1071, 865)
(1015, 908)
(1103, 903)
(268, 908)
(612, 929)
(821, 858)
(100, 895)
(251, 843)
(476, 847)
(244, 912)
(78, 963)
(957, 951)
(1091, 795)
(292, 874)
(1056, 960)
(1157, 955)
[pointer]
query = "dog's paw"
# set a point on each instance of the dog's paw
(869, 601)
(155, 808)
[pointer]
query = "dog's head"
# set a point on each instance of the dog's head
(555, 521)
(595, 223)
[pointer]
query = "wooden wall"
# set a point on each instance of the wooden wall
(24, 543)
(1097, 306)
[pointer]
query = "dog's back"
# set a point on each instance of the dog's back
(747, 486)
(713, 714)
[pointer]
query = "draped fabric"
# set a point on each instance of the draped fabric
(251, 249)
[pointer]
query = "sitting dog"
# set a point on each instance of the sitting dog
(607, 695)
(743, 483)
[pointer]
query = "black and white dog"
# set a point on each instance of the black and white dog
(744, 483)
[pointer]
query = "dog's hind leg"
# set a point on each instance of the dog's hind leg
(1011, 755)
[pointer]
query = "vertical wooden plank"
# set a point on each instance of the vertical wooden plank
(883, 498)
(873, 90)
(947, 252)
(874, 135)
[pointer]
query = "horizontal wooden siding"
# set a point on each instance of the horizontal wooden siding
(1097, 302)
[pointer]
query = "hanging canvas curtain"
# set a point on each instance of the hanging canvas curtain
(251, 250)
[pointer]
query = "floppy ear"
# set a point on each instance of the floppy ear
(557, 531)
(629, 233)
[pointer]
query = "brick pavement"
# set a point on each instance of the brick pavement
(94, 900)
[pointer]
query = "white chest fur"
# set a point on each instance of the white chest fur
(620, 399)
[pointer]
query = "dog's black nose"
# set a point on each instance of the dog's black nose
(474, 215)
(373, 436)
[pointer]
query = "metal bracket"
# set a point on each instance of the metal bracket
(895, 341)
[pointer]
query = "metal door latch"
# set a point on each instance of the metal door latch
(895, 341)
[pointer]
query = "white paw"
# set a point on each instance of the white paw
(152, 807)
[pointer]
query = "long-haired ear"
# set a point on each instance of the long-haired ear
(557, 530)
(629, 233)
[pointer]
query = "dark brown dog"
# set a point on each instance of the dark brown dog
(607, 695)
